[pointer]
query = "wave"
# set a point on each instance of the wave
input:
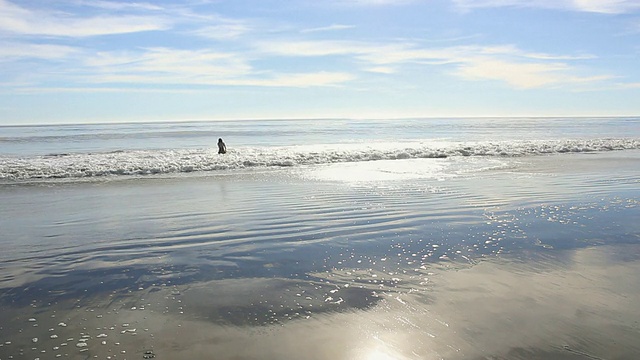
(147, 162)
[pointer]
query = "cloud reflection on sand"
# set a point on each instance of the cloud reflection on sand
(572, 302)
(579, 303)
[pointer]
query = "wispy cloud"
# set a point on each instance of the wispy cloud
(382, 69)
(506, 63)
(373, 2)
(136, 83)
(113, 5)
(596, 6)
(517, 74)
(16, 50)
(284, 47)
(22, 21)
(634, 85)
(249, 63)
(301, 80)
(607, 6)
(227, 30)
(165, 65)
(185, 68)
(26, 89)
(334, 27)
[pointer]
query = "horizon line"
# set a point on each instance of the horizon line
(116, 122)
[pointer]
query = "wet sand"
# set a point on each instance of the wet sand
(579, 305)
(539, 259)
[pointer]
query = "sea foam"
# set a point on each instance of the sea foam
(148, 162)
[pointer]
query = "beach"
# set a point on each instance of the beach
(481, 256)
(320, 180)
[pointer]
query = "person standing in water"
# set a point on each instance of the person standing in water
(222, 148)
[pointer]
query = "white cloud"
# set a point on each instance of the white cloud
(189, 68)
(112, 5)
(506, 63)
(160, 65)
(224, 31)
(597, 6)
(333, 27)
(309, 48)
(468, 5)
(322, 78)
(13, 50)
(607, 6)
(373, 2)
(181, 85)
(518, 75)
(635, 85)
(28, 89)
(524, 74)
(382, 69)
(179, 67)
(20, 20)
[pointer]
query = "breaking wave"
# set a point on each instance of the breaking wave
(147, 162)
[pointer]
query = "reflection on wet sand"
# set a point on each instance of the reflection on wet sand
(569, 304)
(502, 265)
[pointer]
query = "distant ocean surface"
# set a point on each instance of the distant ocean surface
(39, 153)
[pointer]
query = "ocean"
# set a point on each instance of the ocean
(90, 151)
(461, 238)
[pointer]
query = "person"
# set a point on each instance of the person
(222, 148)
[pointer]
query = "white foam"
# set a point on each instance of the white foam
(146, 162)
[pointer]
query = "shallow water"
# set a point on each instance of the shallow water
(456, 258)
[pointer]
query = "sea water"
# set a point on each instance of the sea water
(86, 151)
(325, 239)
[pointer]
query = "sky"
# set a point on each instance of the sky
(84, 61)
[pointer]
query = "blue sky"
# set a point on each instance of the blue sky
(103, 60)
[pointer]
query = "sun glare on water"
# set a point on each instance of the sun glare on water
(380, 355)
(381, 351)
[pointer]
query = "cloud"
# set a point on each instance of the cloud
(597, 6)
(179, 67)
(382, 69)
(373, 2)
(516, 68)
(112, 5)
(250, 65)
(195, 67)
(321, 78)
(14, 50)
(333, 27)
(313, 48)
(159, 65)
(27, 89)
(135, 83)
(223, 31)
(518, 75)
(22, 21)
(506, 63)
(632, 85)
(607, 6)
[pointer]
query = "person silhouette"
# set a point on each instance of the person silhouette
(222, 148)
